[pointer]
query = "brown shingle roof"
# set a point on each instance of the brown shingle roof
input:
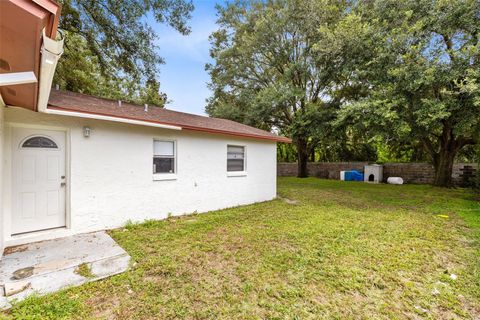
(77, 102)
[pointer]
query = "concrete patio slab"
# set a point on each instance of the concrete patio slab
(48, 266)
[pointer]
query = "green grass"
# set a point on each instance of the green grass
(342, 251)
(84, 271)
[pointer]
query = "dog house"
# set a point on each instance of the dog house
(373, 173)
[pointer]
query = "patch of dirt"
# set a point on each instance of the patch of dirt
(472, 307)
(14, 249)
(289, 201)
(105, 307)
(212, 271)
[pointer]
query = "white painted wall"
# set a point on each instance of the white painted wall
(1, 178)
(111, 179)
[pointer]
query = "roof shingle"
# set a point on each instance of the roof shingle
(82, 103)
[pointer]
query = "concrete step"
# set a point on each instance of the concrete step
(48, 266)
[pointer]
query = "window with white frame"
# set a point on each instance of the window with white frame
(235, 158)
(163, 156)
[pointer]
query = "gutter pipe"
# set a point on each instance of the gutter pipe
(51, 52)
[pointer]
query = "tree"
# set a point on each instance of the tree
(79, 71)
(424, 76)
(151, 93)
(282, 64)
(110, 44)
(477, 173)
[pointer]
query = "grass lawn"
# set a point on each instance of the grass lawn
(343, 251)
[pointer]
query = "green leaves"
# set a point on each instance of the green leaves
(286, 64)
(110, 44)
(428, 74)
(404, 71)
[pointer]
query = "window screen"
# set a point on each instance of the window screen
(163, 156)
(235, 158)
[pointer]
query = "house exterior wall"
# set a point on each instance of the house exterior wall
(110, 179)
(1, 177)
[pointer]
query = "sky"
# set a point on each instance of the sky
(183, 77)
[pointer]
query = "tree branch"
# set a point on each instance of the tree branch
(449, 44)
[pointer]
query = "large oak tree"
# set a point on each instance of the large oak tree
(423, 76)
(407, 71)
(281, 64)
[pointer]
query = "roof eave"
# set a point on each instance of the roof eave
(238, 134)
(21, 25)
(81, 114)
(166, 125)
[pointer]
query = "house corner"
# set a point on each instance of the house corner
(2, 162)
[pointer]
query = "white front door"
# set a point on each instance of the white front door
(38, 178)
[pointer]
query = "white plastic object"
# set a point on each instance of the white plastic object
(395, 180)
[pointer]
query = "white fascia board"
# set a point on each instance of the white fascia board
(14, 78)
(108, 118)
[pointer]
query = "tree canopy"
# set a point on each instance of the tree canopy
(367, 78)
(423, 77)
(278, 64)
(110, 48)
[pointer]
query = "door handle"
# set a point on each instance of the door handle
(63, 184)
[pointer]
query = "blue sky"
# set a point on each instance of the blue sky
(183, 77)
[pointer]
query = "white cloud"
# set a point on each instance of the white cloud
(195, 46)
(183, 77)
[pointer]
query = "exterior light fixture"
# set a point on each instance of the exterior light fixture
(86, 131)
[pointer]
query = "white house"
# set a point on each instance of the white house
(72, 163)
(91, 164)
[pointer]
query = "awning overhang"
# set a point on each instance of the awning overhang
(22, 24)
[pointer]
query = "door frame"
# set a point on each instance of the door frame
(8, 188)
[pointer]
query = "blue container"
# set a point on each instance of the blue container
(353, 175)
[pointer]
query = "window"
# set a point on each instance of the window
(163, 156)
(235, 158)
(39, 142)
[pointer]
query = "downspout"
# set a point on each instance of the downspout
(51, 52)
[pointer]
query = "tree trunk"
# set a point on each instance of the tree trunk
(444, 158)
(302, 152)
(443, 163)
(312, 154)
